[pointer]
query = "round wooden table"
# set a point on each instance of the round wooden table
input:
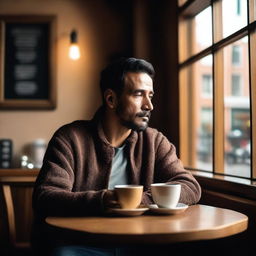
(198, 222)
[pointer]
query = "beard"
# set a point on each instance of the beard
(130, 122)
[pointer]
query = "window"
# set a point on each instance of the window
(236, 55)
(236, 85)
(204, 142)
(218, 87)
(237, 143)
(234, 15)
(238, 7)
(207, 85)
(198, 100)
(202, 28)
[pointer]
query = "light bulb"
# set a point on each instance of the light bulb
(74, 52)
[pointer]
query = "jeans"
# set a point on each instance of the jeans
(86, 251)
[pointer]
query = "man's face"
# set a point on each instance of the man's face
(134, 105)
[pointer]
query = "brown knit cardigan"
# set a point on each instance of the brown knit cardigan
(77, 165)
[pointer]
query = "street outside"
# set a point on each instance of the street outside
(237, 169)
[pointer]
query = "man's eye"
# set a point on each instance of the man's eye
(137, 94)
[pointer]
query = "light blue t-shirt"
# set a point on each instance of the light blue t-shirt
(118, 175)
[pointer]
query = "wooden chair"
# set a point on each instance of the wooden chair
(7, 183)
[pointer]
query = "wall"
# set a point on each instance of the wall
(107, 28)
(103, 29)
(156, 39)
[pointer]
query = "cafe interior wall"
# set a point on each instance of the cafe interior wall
(102, 34)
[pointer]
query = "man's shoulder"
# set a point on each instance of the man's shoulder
(152, 134)
(152, 131)
(157, 138)
(77, 126)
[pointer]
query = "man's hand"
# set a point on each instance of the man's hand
(110, 199)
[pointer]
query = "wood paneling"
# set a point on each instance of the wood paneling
(16, 213)
(232, 196)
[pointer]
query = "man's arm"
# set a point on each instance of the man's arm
(168, 168)
(53, 192)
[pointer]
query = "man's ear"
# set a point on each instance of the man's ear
(110, 98)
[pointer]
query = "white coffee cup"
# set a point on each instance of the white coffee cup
(166, 195)
(129, 196)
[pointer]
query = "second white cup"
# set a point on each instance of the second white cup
(166, 195)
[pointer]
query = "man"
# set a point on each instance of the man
(85, 159)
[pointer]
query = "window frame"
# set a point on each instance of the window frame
(189, 10)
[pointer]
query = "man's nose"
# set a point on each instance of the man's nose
(147, 104)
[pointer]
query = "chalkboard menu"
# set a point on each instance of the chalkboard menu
(27, 63)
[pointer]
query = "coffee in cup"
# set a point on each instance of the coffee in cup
(129, 196)
(166, 195)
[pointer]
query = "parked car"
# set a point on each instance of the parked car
(241, 148)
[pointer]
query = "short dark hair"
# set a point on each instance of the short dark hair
(112, 77)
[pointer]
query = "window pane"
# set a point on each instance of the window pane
(203, 30)
(201, 118)
(204, 113)
(234, 16)
(204, 143)
(207, 85)
(195, 34)
(237, 110)
(236, 55)
(236, 85)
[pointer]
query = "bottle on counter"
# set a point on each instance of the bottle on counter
(38, 148)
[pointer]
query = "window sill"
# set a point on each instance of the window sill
(225, 184)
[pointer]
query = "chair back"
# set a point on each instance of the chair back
(8, 185)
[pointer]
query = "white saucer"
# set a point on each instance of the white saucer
(167, 211)
(129, 212)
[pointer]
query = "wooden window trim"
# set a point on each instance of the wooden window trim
(252, 56)
(218, 92)
(193, 7)
(183, 104)
(230, 185)
(190, 9)
(218, 117)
